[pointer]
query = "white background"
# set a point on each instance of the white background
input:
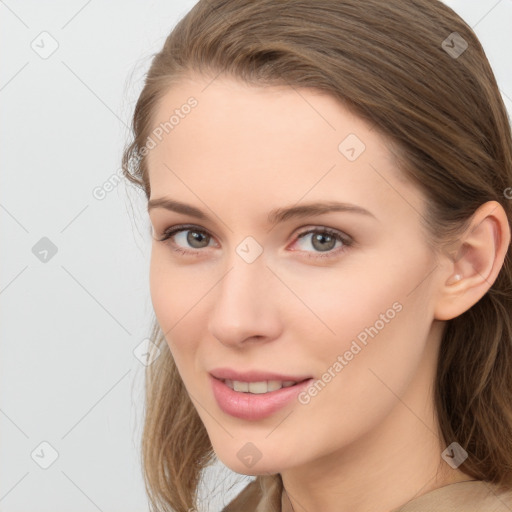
(68, 375)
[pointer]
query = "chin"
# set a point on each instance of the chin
(251, 468)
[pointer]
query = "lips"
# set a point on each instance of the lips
(255, 376)
(248, 395)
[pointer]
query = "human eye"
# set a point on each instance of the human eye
(325, 240)
(182, 238)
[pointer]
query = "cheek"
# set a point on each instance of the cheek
(176, 295)
(337, 304)
(174, 289)
(375, 311)
(394, 273)
(381, 315)
(163, 295)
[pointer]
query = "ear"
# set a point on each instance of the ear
(479, 255)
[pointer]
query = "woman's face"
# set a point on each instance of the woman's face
(260, 285)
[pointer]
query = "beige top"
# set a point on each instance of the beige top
(265, 494)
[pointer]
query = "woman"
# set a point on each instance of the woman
(331, 270)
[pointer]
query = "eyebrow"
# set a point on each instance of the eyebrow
(274, 217)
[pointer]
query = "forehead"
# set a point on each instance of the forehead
(280, 118)
(272, 143)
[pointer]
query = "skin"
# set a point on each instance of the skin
(368, 440)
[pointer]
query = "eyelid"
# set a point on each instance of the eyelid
(324, 229)
(172, 230)
(346, 239)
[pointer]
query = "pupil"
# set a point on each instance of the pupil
(322, 239)
(194, 236)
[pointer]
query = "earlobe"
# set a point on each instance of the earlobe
(481, 252)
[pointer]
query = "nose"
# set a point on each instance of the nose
(246, 305)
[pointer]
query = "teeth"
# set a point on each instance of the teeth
(274, 385)
(240, 386)
(258, 388)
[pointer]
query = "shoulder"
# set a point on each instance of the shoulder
(467, 496)
(261, 495)
(247, 499)
(264, 495)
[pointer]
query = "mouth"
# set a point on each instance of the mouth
(254, 400)
(259, 387)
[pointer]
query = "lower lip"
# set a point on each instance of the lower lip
(251, 406)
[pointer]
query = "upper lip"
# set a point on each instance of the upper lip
(254, 375)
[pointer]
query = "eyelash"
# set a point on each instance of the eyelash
(347, 241)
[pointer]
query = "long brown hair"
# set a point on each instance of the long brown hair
(398, 65)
